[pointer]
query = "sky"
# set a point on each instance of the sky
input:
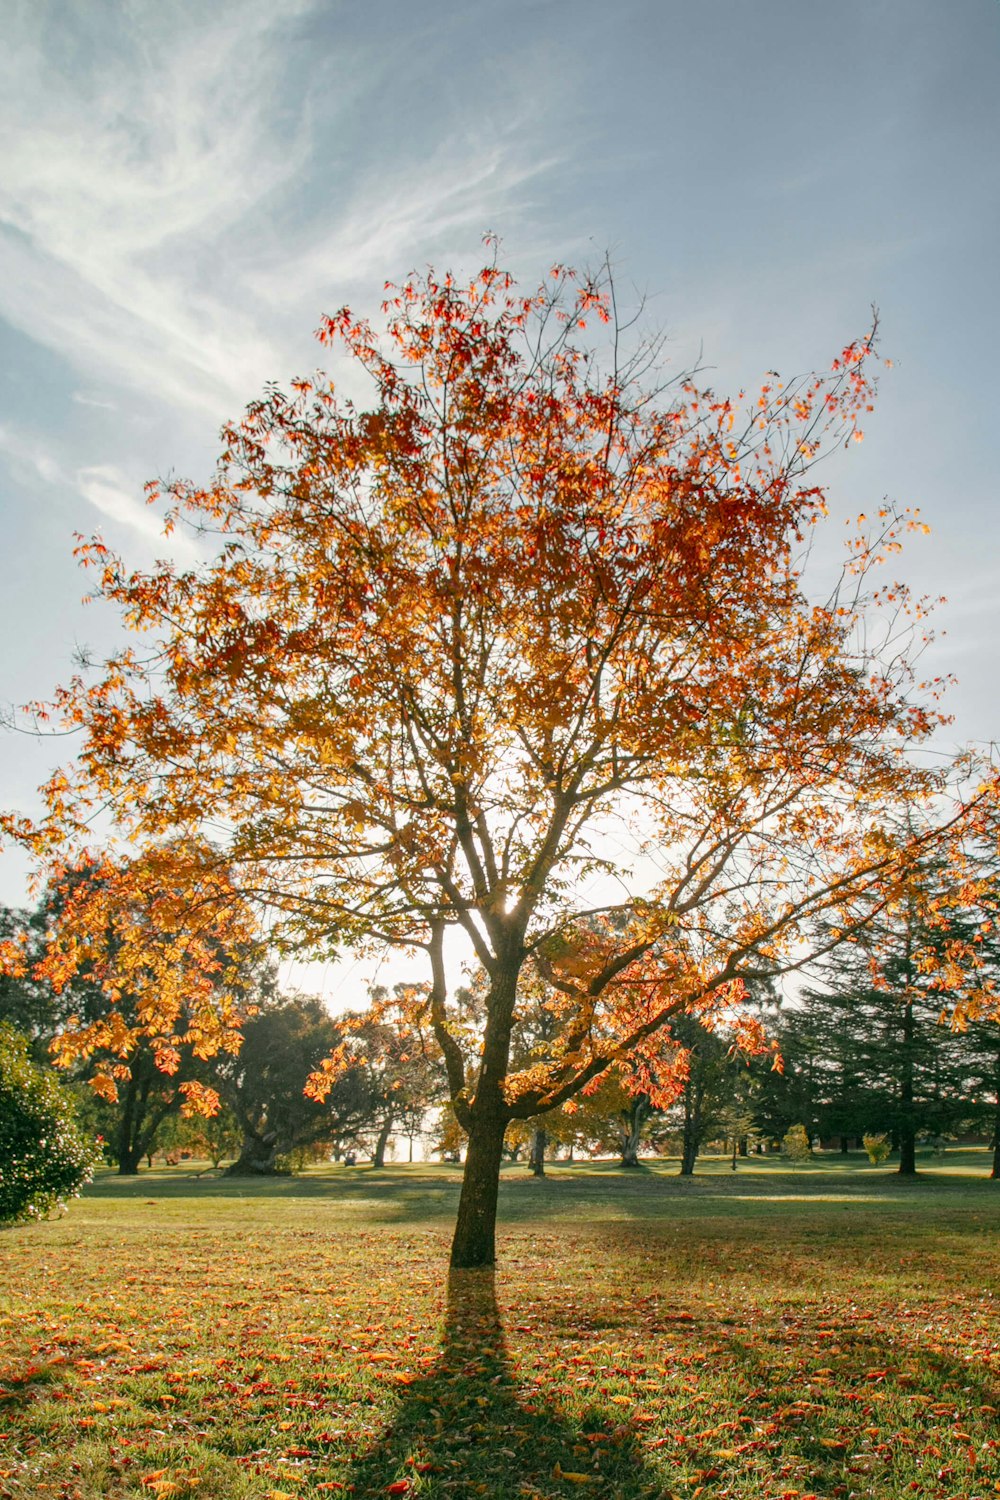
(186, 189)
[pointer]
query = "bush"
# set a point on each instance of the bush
(45, 1158)
(877, 1146)
(795, 1143)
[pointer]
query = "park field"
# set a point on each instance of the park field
(820, 1332)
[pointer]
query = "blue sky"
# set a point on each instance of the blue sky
(186, 188)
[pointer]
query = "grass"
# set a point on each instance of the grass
(825, 1331)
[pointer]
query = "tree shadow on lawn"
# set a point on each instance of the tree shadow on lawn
(20, 1390)
(465, 1428)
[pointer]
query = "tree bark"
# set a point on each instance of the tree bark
(136, 1133)
(257, 1158)
(633, 1120)
(378, 1158)
(474, 1243)
(126, 1150)
(536, 1160)
(475, 1228)
(996, 1131)
(692, 1129)
(907, 1133)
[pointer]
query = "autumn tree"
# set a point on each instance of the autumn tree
(517, 648)
(400, 1063)
(134, 982)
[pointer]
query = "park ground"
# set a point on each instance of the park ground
(826, 1331)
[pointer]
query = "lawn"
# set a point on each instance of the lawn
(826, 1331)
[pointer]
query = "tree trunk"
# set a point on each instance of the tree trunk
(692, 1129)
(996, 1133)
(536, 1160)
(474, 1243)
(907, 1133)
(126, 1151)
(257, 1157)
(633, 1120)
(129, 1158)
(630, 1152)
(141, 1118)
(378, 1159)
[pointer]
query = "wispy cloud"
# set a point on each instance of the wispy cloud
(106, 487)
(83, 399)
(124, 171)
(155, 158)
(28, 458)
(108, 491)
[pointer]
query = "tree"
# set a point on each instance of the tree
(401, 1064)
(456, 645)
(44, 1156)
(878, 1147)
(871, 1041)
(795, 1144)
(264, 1086)
(708, 1084)
(215, 1136)
(123, 976)
(26, 1003)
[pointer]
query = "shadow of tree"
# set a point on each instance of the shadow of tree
(468, 1428)
(21, 1390)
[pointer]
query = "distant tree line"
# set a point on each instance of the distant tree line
(866, 1048)
(865, 1051)
(265, 1122)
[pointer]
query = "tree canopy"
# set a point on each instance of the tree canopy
(520, 648)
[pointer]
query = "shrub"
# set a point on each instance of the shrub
(45, 1157)
(795, 1143)
(877, 1146)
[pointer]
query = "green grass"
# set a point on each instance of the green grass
(774, 1332)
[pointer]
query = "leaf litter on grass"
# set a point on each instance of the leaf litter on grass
(737, 1360)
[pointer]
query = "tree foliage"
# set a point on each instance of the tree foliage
(44, 1156)
(881, 1040)
(264, 1085)
(459, 643)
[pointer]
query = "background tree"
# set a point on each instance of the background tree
(402, 1065)
(877, 1055)
(452, 640)
(215, 1137)
(264, 1086)
(122, 977)
(795, 1144)
(27, 1004)
(44, 1156)
(708, 1084)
